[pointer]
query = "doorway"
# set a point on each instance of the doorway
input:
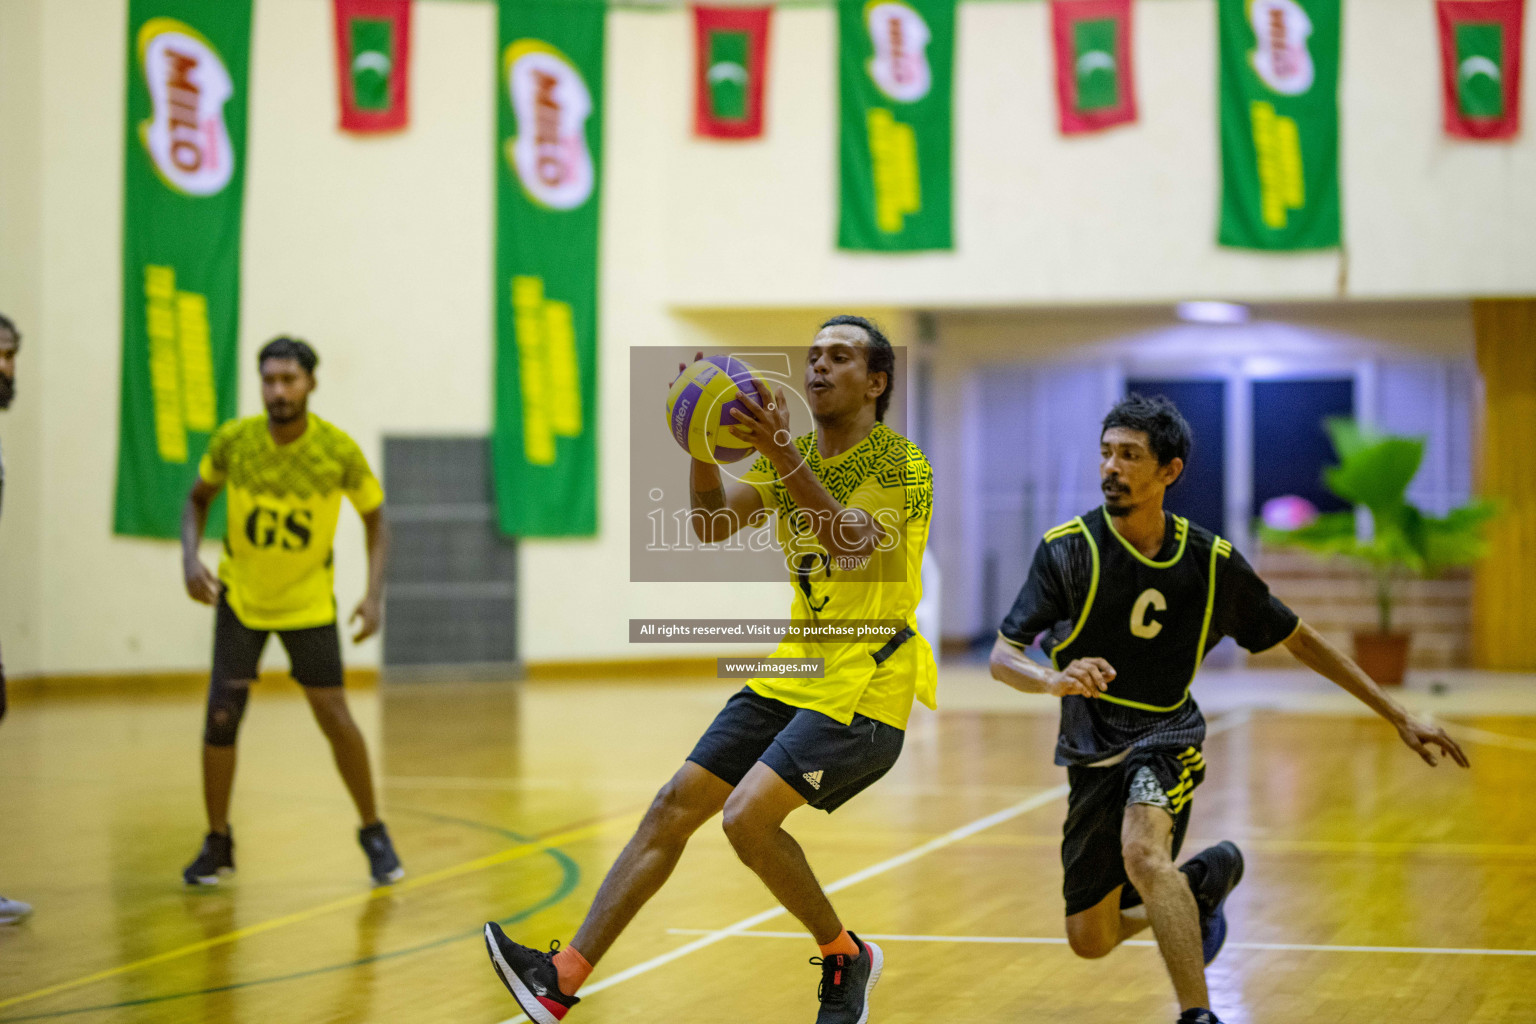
(1200, 495)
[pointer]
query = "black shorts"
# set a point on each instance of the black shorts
(1090, 843)
(315, 653)
(825, 761)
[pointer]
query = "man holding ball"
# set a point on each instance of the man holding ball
(854, 500)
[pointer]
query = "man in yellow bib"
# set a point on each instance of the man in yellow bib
(854, 500)
(286, 473)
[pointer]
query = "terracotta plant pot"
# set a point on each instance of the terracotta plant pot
(1383, 656)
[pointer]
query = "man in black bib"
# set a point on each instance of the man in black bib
(1127, 600)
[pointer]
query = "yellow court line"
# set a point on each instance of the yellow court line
(468, 867)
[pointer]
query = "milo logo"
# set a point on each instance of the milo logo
(552, 104)
(1281, 58)
(186, 136)
(900, 37)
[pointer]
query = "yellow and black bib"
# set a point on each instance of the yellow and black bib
(1150, 618)
(284, 502)
(888, 477)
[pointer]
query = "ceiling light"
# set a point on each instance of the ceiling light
(1212, 313)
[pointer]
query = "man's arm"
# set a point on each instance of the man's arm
(847, 534)
(370, 609)
(202, 585)
(1086, 677)
(718, 510)
(1328, 661)
(1042, 602)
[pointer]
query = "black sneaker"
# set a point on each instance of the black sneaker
(1220, 868)
(529, 975)
(217, 857)
(1198, 1015)
(383, 863)
(846, 983)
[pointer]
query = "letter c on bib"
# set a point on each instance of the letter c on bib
(1142, 626)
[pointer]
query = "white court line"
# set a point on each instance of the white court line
(1024, 940)
(1035, 802)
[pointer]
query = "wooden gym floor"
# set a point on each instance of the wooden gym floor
(1377, 889)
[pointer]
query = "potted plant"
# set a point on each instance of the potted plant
(1393, 538)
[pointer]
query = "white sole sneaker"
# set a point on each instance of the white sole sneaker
(876, 964)
(12, 911)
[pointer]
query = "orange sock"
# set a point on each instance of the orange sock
(842, 944)
(573, 968)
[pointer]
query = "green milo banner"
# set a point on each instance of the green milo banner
(895, 79)
(183, 192)
(1280, 123)
(548, 160)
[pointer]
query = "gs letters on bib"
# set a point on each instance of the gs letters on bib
(284, 502)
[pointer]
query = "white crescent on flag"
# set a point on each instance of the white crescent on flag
(372, 60)
(1095, 60)
(726, 71)
(1474, 66)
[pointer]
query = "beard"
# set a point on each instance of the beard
(1115, 501)
(7, 391)
(281, 414)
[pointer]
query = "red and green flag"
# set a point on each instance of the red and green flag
(731, 44)
(1095, 88)
(1480, 67)
(373, 63)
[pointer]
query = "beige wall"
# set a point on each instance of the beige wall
(380, 251)
(21, 621)
(1126, 216)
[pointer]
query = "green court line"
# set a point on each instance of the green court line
(569, 879)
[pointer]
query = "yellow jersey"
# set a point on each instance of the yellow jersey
(888, 477)
(284, 502)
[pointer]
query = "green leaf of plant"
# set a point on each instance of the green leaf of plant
(1330, 534)
(1347, 435)
(1458, 538)
(1372, 471)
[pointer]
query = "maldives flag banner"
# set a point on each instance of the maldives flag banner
(1480, 44)
(896, 86)
(373, 63)
(1279, 71)
(183, 196)
(1095, 86)
(549, 124)
(731, 44)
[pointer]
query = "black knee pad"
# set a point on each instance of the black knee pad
(226, 706)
